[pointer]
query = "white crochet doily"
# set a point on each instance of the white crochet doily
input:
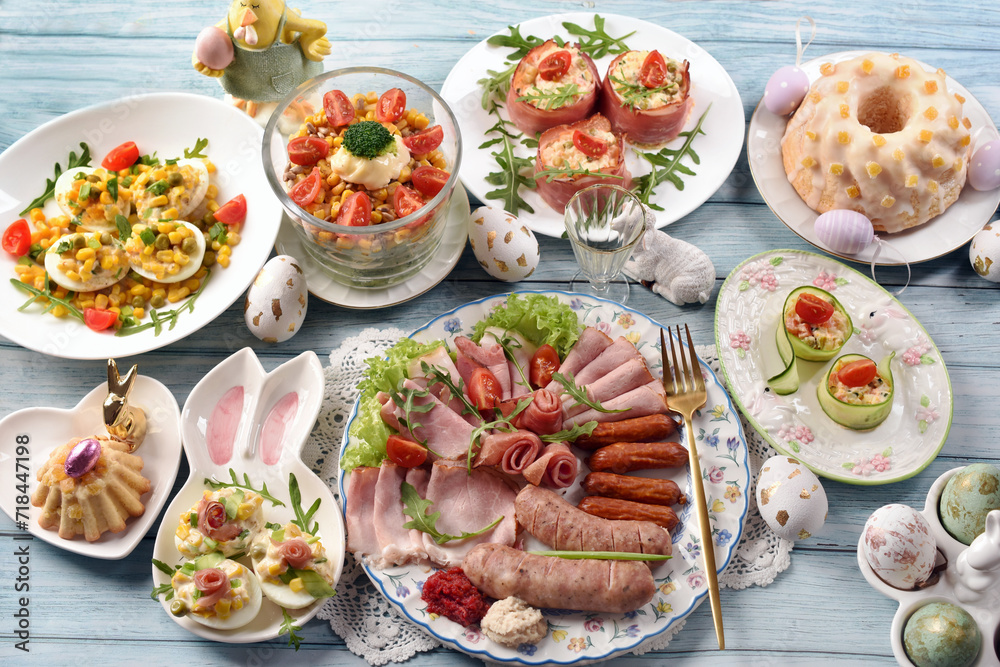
(370, 626)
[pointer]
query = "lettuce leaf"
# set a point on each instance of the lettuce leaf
(539, 318)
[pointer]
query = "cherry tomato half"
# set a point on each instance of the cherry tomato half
(404, 452)
(121, 157)
(405, 201)
(306, 190)
(484, 389)
(233, 212)
(429, 180)
(812, 309)
(588, 145)
(425, 141)
(857, 373)
(17, 238)
(654, 70)
(338, 108)
(307, 150)
(99, 320)
(356, 211)
(555, 65)
(544, 362)
(391, 106)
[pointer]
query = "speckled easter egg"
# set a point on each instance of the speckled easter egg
(790, 498)
(941, 634)
(984, 167)
(970, 494)
(504, 246)
(899, 546)
(844, 231)
(213, 48)
(785, 90)
(276, 302)
(984, 253)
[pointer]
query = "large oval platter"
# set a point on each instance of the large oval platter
(576, 637)
(746, 316)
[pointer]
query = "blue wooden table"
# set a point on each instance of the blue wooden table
(56, 57)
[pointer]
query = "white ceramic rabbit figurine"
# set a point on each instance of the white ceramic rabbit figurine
(676, 270)
(978, 567)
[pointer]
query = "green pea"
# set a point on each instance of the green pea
(107, 239)
(175, 178)
(189, 246)
(79, 241)
(162, 242)
(178, 608)
(157, 301)
(94, 178)
(209, 219)
(209, 259)
(138, 302)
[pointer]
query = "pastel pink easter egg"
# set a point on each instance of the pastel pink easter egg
(785, 90)
(213, 48)
(984, 167)
(82, 458)
(844, 231)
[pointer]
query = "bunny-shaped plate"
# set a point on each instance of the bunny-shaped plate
(35, 432)
(240, 419)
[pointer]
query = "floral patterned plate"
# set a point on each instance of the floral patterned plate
(746, 316)
(583, 637)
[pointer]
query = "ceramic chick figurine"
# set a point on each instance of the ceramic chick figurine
(261, 51)
(676, 270)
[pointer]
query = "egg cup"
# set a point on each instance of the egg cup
(985, 611)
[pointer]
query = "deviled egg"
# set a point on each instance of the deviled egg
(93, 197)
(216, 592)
(86, 261)
(166, 251)
(170, 190)
(293, 568)
(226, 520)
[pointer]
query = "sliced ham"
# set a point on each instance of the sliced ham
(513, 452)
(544, 415)
(472, 356)
(557, 467)
(530, 119)
(645, 400)
(590, 344)
(646, 126)
(360, 513)
(212, 521)
(446, 433)
(521, 349)
(396, 545)
(213, 584)
(632, 374)
(617, 354)
(438, 358)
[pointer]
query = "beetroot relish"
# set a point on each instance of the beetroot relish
(449, 593)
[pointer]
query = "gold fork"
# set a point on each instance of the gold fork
(686, 393)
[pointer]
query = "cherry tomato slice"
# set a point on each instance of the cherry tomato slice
(307, 150)
(233, 212)
(654, 70)
(405, 452)
(306, 190)
(356, 211)
(555, 65)
(425, 141)
(99, 320)
(588, 145)
(429, 180)
(857, 373)
(544, 362)
(338, 108)
(405, 201)
(484, 389)
(17, 238)
(121, 157)
(812, 309)
(391, 106)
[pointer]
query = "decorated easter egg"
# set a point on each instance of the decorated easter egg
(82, 458)
(275, 305)
(970, 494)
(941, 634)
(213, 48)
(845, 231)
(984, 253)
(790, 498)
(984, 167)
(899, 546)
(785, 90)
(504, 246)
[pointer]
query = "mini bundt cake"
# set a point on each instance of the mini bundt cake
(83, 491)
(881, 136)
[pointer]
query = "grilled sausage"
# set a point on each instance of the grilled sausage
(650, 428)
(638, 489)
(562, 526)
(546, 582)
(615, 508)
(627, 456)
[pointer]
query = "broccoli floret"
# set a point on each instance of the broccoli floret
(368, 139)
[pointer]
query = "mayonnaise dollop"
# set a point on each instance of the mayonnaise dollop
(375, 173)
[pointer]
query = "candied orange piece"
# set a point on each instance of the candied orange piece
(878, 140)
(873, 168)
(932, 186)
(842, 86)
(965, 141)
(888, 201)
(898, 155)
(930, 86)
(912, 180)
(844, 137)
(903, 72)
(930, 113)
(845, 111)
(961, 100)
(808, 162)
(867, 66)
(853, 192)
(836, 168)
(827, 68)
(925, 136)
(967, 123)
(937, 162)
(953, 122)
(813, 136)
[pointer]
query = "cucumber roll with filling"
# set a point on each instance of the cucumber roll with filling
(856, 392)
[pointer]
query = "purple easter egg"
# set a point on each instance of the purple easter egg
(844, 231)
(83, 457)
(785, 90)
(984, 167)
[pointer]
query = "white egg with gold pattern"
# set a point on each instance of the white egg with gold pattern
(276, 302)
(504, 246)
(984, 252)
(790, 498)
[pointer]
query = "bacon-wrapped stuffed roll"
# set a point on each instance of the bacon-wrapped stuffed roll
(552, 85)
(646, 96)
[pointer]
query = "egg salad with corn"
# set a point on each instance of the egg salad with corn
(93, 196)
(225, 520)
(216, 592)
(86, 261)
(292, 566)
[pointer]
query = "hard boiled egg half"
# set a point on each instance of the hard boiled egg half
(93, 196)
(181, 186)
(166, 251)
(293, 568)
(216, 592)
(86, 261)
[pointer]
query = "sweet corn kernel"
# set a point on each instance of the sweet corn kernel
(844, 137)
(183, 530)
(164, 227)
(867, 66)
(930, 113)
(961, 100)
(84, 303)
(903, 72)
(159, 174)
(173, 269)
(137, 290)
(106, 198)
(853, 192)
(212, 207)
(827, 69)
(911, 180)
(37, 215)
(898, 155)
(812, 135)
(937, 162)
(232, 239)
(845, 111)
(72, 275)
(888, 201)
(223, 261)
(101, 301)
(274, 569)
(85, 253)
(60, 311)
(192, 284)
(296, 585)
(808, 162)
(967, 123)
(873, 169)
(209, 165)
(148, 250)
(878, 140)
(88, 265)
(171, 213)
(836, 168)
(222, 608)
(965, 141)
(139, 313)
(932, 186)
(165, 255)
(159, 200)
(196, 539)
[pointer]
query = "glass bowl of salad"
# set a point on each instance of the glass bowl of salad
(364, 161)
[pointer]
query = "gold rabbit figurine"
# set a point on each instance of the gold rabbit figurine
(124, 422)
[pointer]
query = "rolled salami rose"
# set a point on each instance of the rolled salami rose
(646, 96)
(552, 85)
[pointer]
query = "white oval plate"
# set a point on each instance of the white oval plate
(746, 316)
(939, 236)
(718, 149)
(304, 375)
(166, 123)
(48, 428)
(576, 637)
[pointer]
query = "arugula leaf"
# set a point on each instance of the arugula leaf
(602, 555)
(510, 177)
(160, 590)
(409, 406)
(669, 161)
(550, 174)
(218, 232)
(164, 568)
(514, 40)
(158, 187)
(597, 43)
(113, 188)
(497, 83)
(437, 376)
(73, 162)
(302, 518)
(502, 424)
(416, 507)
(570, 434)
(579, 394)
(215, 484)
(559, 97)
(46, 294)
(169, 317)
(199, 146)
(272, 526)
(288, 627)
(148, 160)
